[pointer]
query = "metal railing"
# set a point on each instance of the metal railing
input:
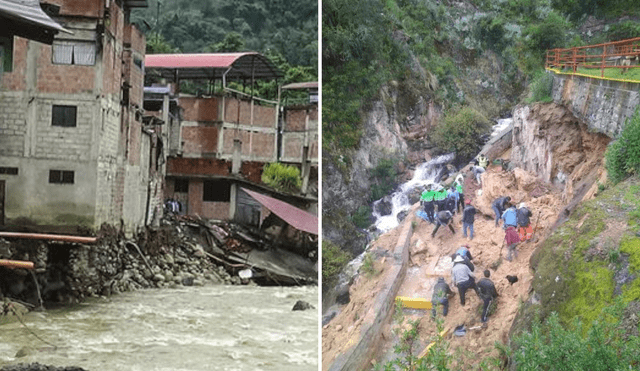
(623, 54)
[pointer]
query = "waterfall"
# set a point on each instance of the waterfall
(426, 173)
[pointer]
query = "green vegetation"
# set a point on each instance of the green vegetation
(541, 87)
(333, 260)
(550, 346)
(409, 347)
(362, 217)
(286, 33)
(285, 178)
(368, 266)
(623, 154)
(383, 178)
(460, 133)
(632, 74)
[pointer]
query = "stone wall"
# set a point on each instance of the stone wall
(603, 105)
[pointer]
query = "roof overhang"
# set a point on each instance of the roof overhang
(25, 18)
(297, 218)
(212, 66)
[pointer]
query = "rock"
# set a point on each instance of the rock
(187, 281)
(302, 305)
(339, 328)
(343, 297)
(158, 277)
(401, 215)
(385, 206)
(169, 259)
(168, 275)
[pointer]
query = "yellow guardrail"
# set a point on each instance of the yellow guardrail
(559, 72)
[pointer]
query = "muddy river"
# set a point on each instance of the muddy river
(187, 328)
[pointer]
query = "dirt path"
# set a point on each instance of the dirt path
(545, 204)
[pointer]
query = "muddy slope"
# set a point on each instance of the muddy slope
(545, 135)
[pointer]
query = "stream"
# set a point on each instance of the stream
(186, 328)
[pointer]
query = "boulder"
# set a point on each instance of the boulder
(385, 206)
(302, 305)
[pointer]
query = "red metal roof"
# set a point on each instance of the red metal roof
(212, 60)
(213, 65)
(297, 218)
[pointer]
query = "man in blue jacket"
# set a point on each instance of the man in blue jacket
(510, 217)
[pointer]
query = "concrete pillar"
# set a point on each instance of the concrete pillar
(306, 169)
(232, 201)
(236, 162)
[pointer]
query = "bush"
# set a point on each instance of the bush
(282, 177)
(333, 260)
(362, 218)
(550, 346)
(383, 178)
(541, 88)
(461, 133)
(623, 155)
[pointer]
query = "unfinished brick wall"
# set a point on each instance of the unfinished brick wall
(86, 8)
(65, 143)
(62, 78)
(294, 119)
(16, 79)
(215, 210)
(252, 170)
(200, 139)
(200, 109)
(12, 123)
(197, 166)
(263, 116)
(195, 196)
(262, 144)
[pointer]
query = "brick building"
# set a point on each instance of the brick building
(219, 143)
(74, 150)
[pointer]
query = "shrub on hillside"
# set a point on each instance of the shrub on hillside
(333, 260)
(623, 155)
(461, 133)
(282, 177)
(383, 178)
(550, 346)
(541, 88)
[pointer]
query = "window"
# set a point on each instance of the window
(61, 177)
(64, 116)
(9, 170)
(6, 54)
(181, 185)
(74, 52)
(216, 191)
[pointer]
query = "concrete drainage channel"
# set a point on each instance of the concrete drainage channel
(358, 356)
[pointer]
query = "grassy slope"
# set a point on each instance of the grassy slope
(575, 267)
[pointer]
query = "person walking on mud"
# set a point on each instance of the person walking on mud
(468, 217)
(460, 188)
(441, 293)
(499, 205)
(443, 217)
(464, 252)
(512, 239)
(453, 197)
(462, 278)
(510, 217)
(487, 292)
(523, 216)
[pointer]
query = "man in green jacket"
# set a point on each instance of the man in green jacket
(428, 203)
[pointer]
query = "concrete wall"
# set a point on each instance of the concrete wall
(602, 105)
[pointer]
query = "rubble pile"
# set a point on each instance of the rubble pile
(182, 251)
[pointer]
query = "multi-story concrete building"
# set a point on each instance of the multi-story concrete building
(218, 143)
(74, 150)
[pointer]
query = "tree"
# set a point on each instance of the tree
(233, 42)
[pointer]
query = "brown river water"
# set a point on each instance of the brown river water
(186, 328)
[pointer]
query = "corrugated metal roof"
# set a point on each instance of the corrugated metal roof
(30, 12)
(212, 66)
(302, 85)
(297, 218)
